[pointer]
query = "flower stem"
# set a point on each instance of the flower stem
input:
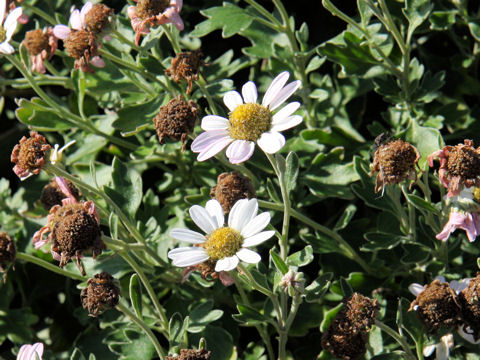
(400, 339)
(51, 267)
(161, 353)
(172, 39)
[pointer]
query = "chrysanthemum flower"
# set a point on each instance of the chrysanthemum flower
(8, 27)
(225, 245)
(250, 123)
(151, 13)
(31, 352)
(40, 44)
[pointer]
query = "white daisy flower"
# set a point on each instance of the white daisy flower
(8, 28)
(249, 123)
(225, 245)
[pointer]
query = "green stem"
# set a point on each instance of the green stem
(161, 353)
(36, 10)
(275, 24)
(172, 39)
(411, 215)
(51, 267)
(126, 64)
(202, 85)
(400, 339)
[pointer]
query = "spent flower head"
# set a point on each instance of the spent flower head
(40, 44)
(30, 155)
(230, 188)
(250, 123)
(100, 294)
(190, 354)
(53, 195)
(224, 245)
(186, 65)
(8, 251)
(8, 27)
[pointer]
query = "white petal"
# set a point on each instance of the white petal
(214, 149)
(188, 235)
(240, 151)
(288, 123)
(467, 336)
(10, 23)
(232, 99)
(248, 256)
(415, 288)
(249, 92)
(256, 225)
(283, 95)
(6, 48)
(242, 212)
(189, 258)
(227, 264)
(443, 348)
(181, 251)
(207, 138)
(215, 210)
(214, 122)
(271, 142)
(3, 7)
(85, 9)
(440, 278)
(458, 286)
(258, 238)
(428, 350)
(38, 348)
(75, 21)
(275, 87)
(203, 219)
(61, 31)
(285, 112)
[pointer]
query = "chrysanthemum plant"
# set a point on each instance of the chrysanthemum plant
(342, 135)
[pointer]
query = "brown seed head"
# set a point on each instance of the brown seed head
(469, 300)
(437, 307)
(80, 44)
(463, 161)
(186, 66)
(52, 194)
(360, 311)
(7, 252)
(230, 188)
(187, 354)
(148, 8)
(395, 162)
(176, 120)
(36, 41)
(30, 154)
(100, 294)
(99, 18)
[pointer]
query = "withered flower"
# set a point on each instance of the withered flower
(98, 18)
(186, 66)
(100, 294)
(53, 195)
(30, 155)
(469, 299)
(207, 272)
(189, 354)
(8, 252)
(40, 44)
(230, 188)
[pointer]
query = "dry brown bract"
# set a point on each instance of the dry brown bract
(459, 166)
(186, 66)
(100, 294)
(469, 300)
(230, 188)
(7, 253)
(52, 194)
(176, 120)
(395, 162)
(187, 354)
(30, 155)
(207, 272)
(437, 307)
(82, 46)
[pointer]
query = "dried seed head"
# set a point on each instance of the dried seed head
(75, 230)
(186, 66)
(148, 8)
(176, 120)
(99, 18)
(52, 194)
(100, 294)
(360, 311)
(80, 44)
(7, 253)
(469, 300)
(187, 354)
(29, 155)
(437, 307)
(230, 188)
(36, 41)
(395, 162)
(463, 161)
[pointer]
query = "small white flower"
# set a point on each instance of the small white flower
(31, 352)
(8, 27)
(249, 122)
(225, 245)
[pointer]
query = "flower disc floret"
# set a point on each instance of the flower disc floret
(222, 243)
(249, 122)
(3, 34)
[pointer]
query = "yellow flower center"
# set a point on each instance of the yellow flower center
(476, 194)
(3, 34)
(249, 122)
(223, 242)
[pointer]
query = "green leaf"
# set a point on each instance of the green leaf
(422, 204)
(321, 244)
(416, 12)
(381, 241)
(77, 355)
(302, 34)
(16, 325)
(347, 215)
(291, 171)
(202, 315)
(135, 346)
(474, 26)
(36, 114)
(318, 288)
(272, 192)
(442, 20)
(132, 119)
(230, 18)
(135, 290)
(346, 287)
(329, 316)
(126, 190)
(425, 139)
(279, 263)
(302, 257)
(177, 328)
(248, 315)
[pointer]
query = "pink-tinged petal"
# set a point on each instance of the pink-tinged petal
(458, 286)
(6, 48)
(415, 289)
(271, 142)
(284, 94)
(227, 264)
(434, 155)
(248, 256)
(178, 4)
(207, 138)
(213, 149)
(3, 8)
(75, 20)
(38, 348)
(455, 220)
(240, 151)
(107, 38)
(215, 211)
(172, 15)
(97, 61)
(232, 99)
(10, 23)
(288, 123)
(85, 9)
(61, 31)
(23, 19)
(275, 87)
(214, 122)
(285, 112)
(470, 228)
(31, 352)
(225, 278)
(62, 184)
(249, 92)
(38, 64)
(56, 256)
